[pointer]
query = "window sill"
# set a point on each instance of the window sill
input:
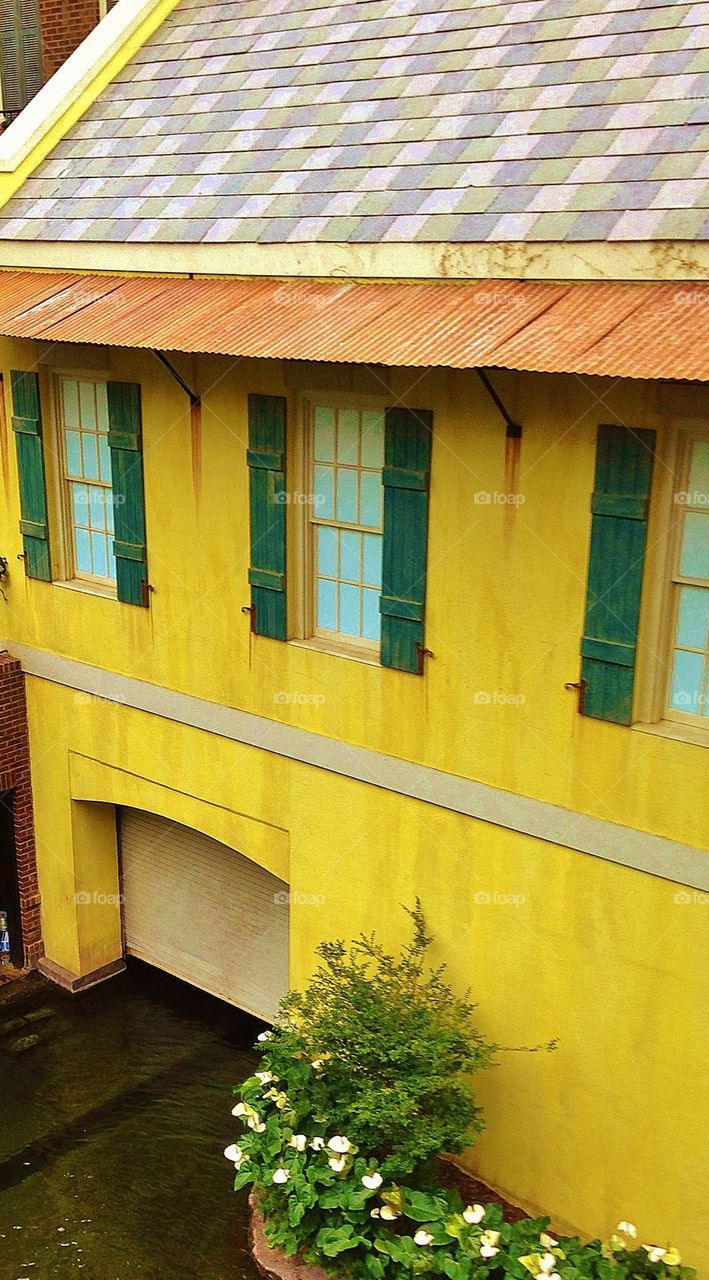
(87, 588)
(698, 736)
(339, 651)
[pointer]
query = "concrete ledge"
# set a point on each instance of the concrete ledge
(71, 982)
(271, 1262)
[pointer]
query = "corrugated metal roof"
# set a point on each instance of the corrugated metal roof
(287, 121)
(594, 327)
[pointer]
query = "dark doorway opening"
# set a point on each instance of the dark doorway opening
(9, 886)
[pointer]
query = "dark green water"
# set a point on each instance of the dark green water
(112, 1129)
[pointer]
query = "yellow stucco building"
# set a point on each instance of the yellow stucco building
(313, 618)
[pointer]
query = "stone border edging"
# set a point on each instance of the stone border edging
(271, 1262)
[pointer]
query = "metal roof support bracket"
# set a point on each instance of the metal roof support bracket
(194, 398)
(514, 430)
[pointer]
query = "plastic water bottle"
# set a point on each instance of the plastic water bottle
(4, 939)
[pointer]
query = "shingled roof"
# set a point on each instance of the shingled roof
(276, 121)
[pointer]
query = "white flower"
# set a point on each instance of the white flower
(423, 1237)
(372, 1181)
(389, 1213)
(318, 1064)
(548, 1241)
(281, 1176)
(256, 1125)
(340, 1144)
(265, 1077)
(547, 1263)
(555, 1276)
(488, 1250)
(672, 1258)
(242, 1109)
(317, 1144)
(628, 1229)
(337, 1163)
(491, 1237)
(654, 1252)
(374, 1213)
(234, 1154)
(474, 1213)
(281, 1101)
(299, 1141)
(264, 1036)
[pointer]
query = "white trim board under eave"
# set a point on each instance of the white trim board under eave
(65, 86)
(626, 846)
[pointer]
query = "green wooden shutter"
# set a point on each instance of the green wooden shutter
(20, 54)
(620, 503)
(267, 489)
(407, 459)
(27, 426)
(125, 442)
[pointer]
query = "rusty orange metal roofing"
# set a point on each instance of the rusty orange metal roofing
(600, 327)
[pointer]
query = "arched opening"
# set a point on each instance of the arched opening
(202, 911)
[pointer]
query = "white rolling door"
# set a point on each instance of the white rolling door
(204, 913)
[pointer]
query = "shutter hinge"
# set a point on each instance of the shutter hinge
(422, 653)
(580, 686)
(250, 609)
(145, 589)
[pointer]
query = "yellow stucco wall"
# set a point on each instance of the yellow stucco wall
(600, 956)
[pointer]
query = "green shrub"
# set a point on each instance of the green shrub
(398, 1048)
(363, 1079)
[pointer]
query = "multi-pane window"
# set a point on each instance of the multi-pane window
(347, 456)
(86, 476)
(689, 684)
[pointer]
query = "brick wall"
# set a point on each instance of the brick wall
(15, 778)
(64, 24)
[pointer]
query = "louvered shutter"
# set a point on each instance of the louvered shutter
(27, 426)
(266, 458)
(621, 496)
(125, 443)
(407, 459)
(21, 52)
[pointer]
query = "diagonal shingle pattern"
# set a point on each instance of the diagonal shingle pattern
(391, 121)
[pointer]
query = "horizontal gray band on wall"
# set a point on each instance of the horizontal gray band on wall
(655, 855)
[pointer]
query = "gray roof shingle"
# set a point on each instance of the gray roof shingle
(391, 120)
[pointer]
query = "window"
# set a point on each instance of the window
(86, 490)
(20, 55)
(688, 691)
(346, 457)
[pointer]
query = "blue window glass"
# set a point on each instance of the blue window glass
(371, 617)
(99, 552)
(694, 560)
(372, 560)
(104, 459)
(324, 493)
(346, 496)
(693, 620)
(83, 551)
(688, 683)
(349, 609)
(373, 440)
(371, 503)
(348, 436)
(350, 556)
(324, 434)
(73, 453)
(327, 551)
(89, 449)
(327, 605)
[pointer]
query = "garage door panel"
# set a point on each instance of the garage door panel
(200, 911)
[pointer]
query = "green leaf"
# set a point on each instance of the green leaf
(335, 1240)
(422, 1207)
(243, 1179)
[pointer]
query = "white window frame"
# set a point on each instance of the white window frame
(60, 497)
(658, 623)
(301, 532)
